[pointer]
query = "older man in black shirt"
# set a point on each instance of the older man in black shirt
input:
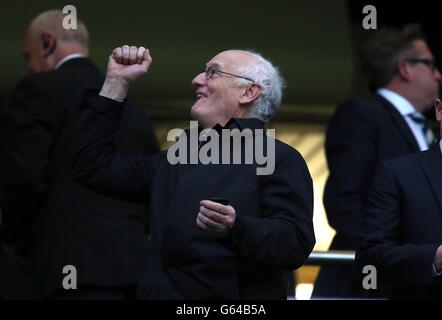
(201, 248)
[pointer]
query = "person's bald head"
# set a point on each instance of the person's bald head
(47, 42)
(236, 84)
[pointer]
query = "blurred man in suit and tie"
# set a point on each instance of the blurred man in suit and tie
(47, 217)
(403, 224)
(405, 80)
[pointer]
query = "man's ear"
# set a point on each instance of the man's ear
(49, 42)
(438, 109)
(404, 69)
(251, 94)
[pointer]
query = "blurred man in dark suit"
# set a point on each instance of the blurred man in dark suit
(403, 223)
(403, 76)
(46, 216)
(15, 277)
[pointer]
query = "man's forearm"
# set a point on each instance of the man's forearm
(95, 162)
(115, 89)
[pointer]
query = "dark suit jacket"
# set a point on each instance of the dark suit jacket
(57, 222)
(15, 278)
(403, 224)
(360, 135)
(273, 230)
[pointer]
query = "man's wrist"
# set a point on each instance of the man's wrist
(115, 89)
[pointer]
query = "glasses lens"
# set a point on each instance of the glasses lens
(430, 64)
(209, 73)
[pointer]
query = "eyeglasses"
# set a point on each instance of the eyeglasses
(430, 63)
(210, 71)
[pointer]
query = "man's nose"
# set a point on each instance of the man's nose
(199, 80)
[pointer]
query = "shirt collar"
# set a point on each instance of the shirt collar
(239, 123)
(67, 58)
(244, 123)
(440, 145)
(402, 105)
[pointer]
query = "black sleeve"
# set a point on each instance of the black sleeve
(96, 164)
(404, 263)
(136, 133)
(283, 235)
(35, 119)
(351, 151)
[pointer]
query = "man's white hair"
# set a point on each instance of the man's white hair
(268, 77)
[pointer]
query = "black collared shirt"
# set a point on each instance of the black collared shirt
(273, 230)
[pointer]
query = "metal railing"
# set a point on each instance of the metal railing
(331, 258)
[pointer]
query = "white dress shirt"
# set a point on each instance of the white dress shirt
(405, 108)
(67, 58)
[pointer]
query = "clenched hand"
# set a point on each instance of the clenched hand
(126, 64)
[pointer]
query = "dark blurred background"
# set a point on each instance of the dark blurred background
(315, 44)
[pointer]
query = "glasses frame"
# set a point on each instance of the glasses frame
(209, 75)
(430, 63)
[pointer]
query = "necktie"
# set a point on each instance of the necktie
(426, 130)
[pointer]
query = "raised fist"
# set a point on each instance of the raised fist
(128, 63)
